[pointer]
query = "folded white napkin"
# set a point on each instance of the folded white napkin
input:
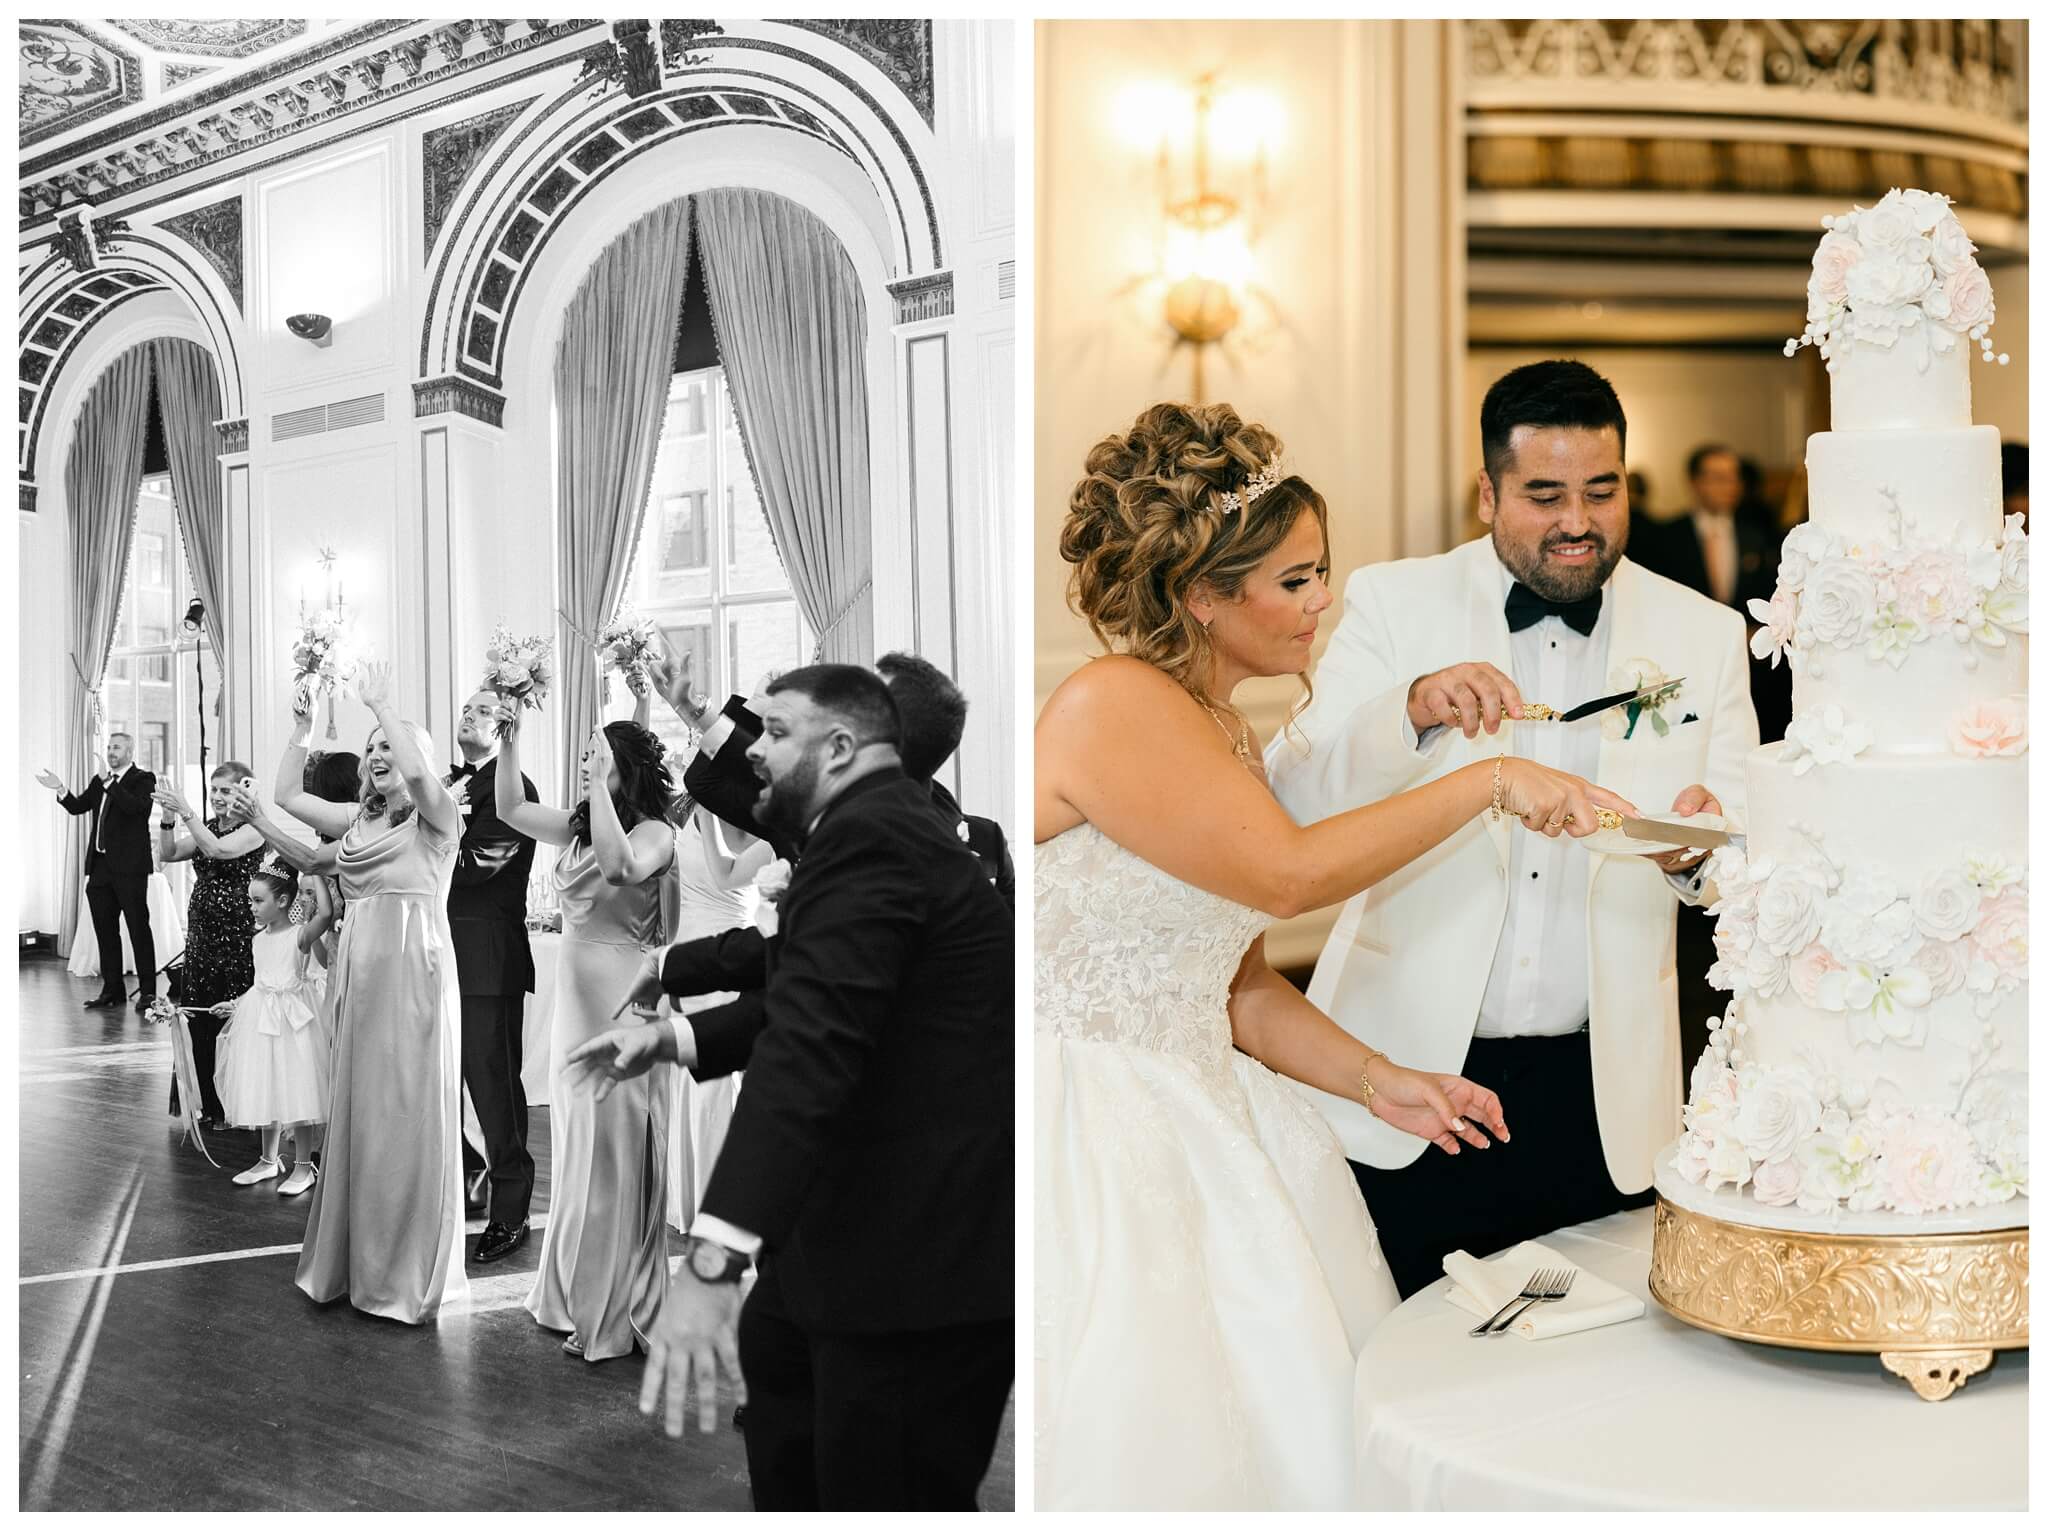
(1480, 1287)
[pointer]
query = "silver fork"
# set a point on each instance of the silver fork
(1533, 1289)
(1559, 1286)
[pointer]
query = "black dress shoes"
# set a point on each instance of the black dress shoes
(106, 999)
(498, 1240)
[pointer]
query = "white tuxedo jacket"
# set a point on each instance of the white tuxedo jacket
(1407, 965)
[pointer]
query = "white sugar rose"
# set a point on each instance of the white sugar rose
(1866, 919)
(1789, 908)
(1950, 247)
(1776, 1183)
(1764, 972)
(1833, 260)
(1778, 1108)
(2000, 935)
(1889, 226)
(1889, 278)
(1837, 602)
(1926, 208)
(1945, 965)
(1810, 969)
(1969, 297)
(1929, 1163)
(1945, 907)
(1804, 546)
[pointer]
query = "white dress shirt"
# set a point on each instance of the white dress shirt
(1537, 986)
(1718, 548)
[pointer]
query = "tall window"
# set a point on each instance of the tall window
(706, 568)
(148, 689)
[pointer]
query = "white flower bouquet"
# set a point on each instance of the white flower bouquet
(629, 644)
(520, 670)
(324, 659)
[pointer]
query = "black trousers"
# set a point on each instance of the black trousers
(869, 1421)
(111, 902)
(1550, 1174)
(492, 1038)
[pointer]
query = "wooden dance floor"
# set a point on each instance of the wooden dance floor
(168, 1363)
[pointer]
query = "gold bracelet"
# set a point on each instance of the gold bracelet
(1365, 1090)
(1499, 800)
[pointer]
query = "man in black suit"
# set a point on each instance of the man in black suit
(1724, 547)
(117, 868)
(494, 965)
(869, 1162)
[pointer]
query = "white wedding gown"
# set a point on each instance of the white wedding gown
(1206, 1270)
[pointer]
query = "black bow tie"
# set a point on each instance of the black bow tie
(462, 770)
(1526, 608)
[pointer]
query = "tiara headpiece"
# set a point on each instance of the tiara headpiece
(1248, 493)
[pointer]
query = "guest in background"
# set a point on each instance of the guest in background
(273, 1070)
(604, 1260)
(1723, 547)
(332, 777)
(225, 853)
(117, 867)
(2012, 462)
(934, 714)
(487, 918)
(385, 1229)
(1638, 493)
(717, 776)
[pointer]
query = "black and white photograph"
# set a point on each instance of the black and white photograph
(517, 747)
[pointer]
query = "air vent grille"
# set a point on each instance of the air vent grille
(1006, 281)
(338, 416)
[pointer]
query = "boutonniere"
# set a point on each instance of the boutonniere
(1657, 688)
(770, 884)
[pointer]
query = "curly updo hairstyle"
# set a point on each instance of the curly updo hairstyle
(645, 783)
(1145, 526)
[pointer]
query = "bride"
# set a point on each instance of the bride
(1205, 1267)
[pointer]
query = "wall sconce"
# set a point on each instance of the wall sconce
(1208, 220)
(317, 328)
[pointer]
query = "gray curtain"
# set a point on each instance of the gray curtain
(190, 400)
(792, 335)
(611, 390)
(102, 478)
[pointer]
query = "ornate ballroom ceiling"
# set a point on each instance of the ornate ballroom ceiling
(77, 72)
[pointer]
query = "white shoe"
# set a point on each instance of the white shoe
(300, 1179)
(260, 1171)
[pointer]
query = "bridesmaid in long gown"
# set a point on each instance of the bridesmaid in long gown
(604, 1260)
(385, 1230)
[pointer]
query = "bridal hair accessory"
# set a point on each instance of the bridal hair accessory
(1247, 494)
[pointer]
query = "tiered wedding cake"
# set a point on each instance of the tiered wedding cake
(1870, 1074)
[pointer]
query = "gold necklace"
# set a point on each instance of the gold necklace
(1241, 746)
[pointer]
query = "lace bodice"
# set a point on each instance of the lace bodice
(1126, 953)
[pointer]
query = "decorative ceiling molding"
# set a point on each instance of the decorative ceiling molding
(69, 77)
(52, 333)
(211, 39)
(215, 232)
(450, 155)
(214, 125)
(901, 49)
(923, 297)
(458, 396)
(184, 74)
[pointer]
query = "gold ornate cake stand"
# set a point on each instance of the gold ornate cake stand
(1933, 1307)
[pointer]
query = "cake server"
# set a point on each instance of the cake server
(1538, 712)
(1667, 832)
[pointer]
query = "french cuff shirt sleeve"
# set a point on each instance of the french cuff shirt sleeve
(1689, 882)
(686, 1040)
(712, 740)
(1424, 743)
(719, 1231)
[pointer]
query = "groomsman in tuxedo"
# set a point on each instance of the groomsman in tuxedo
(494, 964)
(1528, 964)
(117, 868)
(869, 1165)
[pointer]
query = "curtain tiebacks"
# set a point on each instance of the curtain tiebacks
(845, 611)
(98, 714)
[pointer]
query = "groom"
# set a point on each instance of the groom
(1528, 964)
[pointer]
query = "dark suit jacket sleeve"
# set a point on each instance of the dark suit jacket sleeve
(86, 801)
(725, 1035)
(733, 959)
(1006, 878)
(850, 922)
(490, 844)
(724, 782)
(132, 792)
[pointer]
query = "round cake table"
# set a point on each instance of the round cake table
(1654, 1414)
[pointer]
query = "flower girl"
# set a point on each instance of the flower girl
(273, 1066)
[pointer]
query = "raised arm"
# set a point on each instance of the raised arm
(239, 841)
(291, 850)
(515, 810)
(322, 919)
(624, 858)
(1119, 731)
(1272, 1021)
(170, 845)
(429, 796)
(290, 787)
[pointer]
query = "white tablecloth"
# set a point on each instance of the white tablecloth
(166, 929)
(1655, 1414)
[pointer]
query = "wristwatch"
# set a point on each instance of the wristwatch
(711, 1262)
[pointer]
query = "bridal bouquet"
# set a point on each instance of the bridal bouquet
(520, 670)
(324, 659)
(629, 644)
